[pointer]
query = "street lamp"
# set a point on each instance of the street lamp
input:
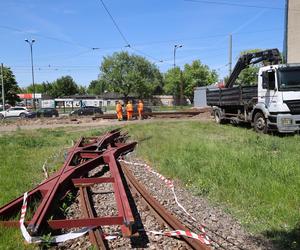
(176, 46)
(30, 42)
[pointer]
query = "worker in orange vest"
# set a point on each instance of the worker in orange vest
(129, 109)
(140, 109)
(119, 111)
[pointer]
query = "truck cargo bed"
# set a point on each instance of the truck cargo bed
(235, 96)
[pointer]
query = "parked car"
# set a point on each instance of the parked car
(47, 112)
(87, 110)
(21, 112)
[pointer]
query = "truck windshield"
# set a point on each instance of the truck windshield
(289, 78)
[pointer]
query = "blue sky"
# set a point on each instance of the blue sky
(66, 31)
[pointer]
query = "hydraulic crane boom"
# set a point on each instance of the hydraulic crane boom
(271, 55)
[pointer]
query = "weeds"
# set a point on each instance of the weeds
(47, 240)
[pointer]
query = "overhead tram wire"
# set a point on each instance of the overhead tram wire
(115, 23)
(235, 4)
(178, 40)
(128, 45)
(44, 36)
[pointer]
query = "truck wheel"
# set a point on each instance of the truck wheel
(218, 119)
(260, 123)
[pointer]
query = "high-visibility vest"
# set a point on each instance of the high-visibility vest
(129, 107)
(140, 106)
(119, 107)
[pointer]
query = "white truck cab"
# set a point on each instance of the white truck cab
(279, 96)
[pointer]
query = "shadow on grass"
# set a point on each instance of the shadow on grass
(284, 239)
(273, 132)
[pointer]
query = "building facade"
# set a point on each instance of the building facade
(292, 32)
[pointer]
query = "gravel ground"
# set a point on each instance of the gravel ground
(105, 205)
(82, 123)
(224, 231)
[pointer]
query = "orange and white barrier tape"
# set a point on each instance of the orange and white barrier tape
(169, 183)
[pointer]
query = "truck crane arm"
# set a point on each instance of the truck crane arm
(271, 55)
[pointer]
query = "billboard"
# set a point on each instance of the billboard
(29, 96)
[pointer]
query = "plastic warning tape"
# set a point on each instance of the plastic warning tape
(54, 239)
(188, 234)
(170, 184)
(167, 181)
(83, 231)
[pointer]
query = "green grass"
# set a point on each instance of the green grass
(22, 156)
(170, 108)
(254, 177)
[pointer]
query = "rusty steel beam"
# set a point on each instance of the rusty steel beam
(86, 222)
(85, 155)
(91, 181)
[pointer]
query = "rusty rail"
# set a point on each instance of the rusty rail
(154, 114)
(159, 210)
(95, 234)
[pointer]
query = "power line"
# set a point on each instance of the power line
(128, 45)
(115, 23)
(44, 36)
(205, 37)
(235, 4)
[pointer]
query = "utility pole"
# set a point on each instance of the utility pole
(176, 46)
(230, 54)
(2, 83)
(32, 73)
(181, 88)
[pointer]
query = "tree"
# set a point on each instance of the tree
(172, 82)
(64, 86)
(11, 88)
(81, 90)
(97, 87)
(130, 74)
(45, 88)
(194, 75)
(248, 76)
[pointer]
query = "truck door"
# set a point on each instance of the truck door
(267, 90)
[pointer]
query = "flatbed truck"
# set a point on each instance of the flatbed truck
(271, 105)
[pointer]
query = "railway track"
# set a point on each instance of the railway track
(176, 114)
(87, 155)
(158, 210)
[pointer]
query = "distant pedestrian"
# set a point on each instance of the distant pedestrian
(119, 111)
(129, 109)
(140, 109)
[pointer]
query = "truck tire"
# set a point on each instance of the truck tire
(218, 117)
(260, 123)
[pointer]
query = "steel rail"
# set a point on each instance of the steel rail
(153, 114)
(159, 210)
(95, 234)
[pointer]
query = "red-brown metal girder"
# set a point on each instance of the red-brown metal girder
(84, 156)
